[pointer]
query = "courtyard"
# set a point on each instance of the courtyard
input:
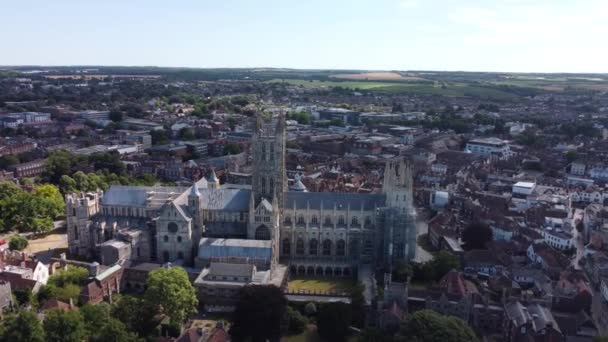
(317, 285)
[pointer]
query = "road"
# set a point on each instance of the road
(579, 242)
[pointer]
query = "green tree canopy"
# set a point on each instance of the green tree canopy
(333, 321)
(22, 327)
(259, 312)
(17, 243)
(113, 330)
(64, 326)
(136, 313)
(429, 326)
(171, 290)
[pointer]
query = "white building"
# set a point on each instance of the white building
(523, 189)
(577, 169)
(558, 238)
(488, 146)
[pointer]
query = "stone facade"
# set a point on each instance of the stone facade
(313, 232)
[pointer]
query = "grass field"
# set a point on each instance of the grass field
(319, 285)
(377, 76)
(452, 90)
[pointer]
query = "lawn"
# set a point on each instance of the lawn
(319, 285)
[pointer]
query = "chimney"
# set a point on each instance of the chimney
(93, 269)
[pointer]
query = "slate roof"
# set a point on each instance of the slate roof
(225, 199)
(240, 248)
(140, 196)
(301, 200)
(226, 269)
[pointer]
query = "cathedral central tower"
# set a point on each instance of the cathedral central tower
(269, 179)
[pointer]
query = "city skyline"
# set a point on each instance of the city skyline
(505, 36)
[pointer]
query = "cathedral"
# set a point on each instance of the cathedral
(265, 224)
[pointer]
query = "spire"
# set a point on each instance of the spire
(213, 177)
(213, 181)
(194, 190)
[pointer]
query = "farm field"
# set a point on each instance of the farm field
(377, 76)
(452, 90)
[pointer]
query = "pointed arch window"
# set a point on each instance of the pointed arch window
(300, 247)
(327, 247)
(313, 246)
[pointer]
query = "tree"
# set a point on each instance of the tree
(171, 290)
(59, 163)
(116, 116)
(259, 312)
(433, 270)
(310, 308)
(476, 235)
(186, 133)
(159, 137)
(72, 275)
(296, 321)
(113, 330)
(333, 321)
(402, 271)
(17, 243)
(64, 326)
(49, 201)
(232, 148)
(137, 314)
(95, 316)
(67, 184)
(24, 297)
(22, 327)
(429, 326)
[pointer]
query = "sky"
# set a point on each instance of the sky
(451, 35)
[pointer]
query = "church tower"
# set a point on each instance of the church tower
(269, 178)
(269, 181)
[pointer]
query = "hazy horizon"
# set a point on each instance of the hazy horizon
(513, 36)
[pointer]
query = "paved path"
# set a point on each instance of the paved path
(421, 254)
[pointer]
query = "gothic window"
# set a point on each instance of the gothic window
(313, 246)
(257, 219)
(340, 247)
(314, 219)
(75, 233)
(179, 239)
(355, 220)
(271, 185)
(327, 247)
(328, 220)
(287, 220)
(341, 219)
(172, 227)
(166, 238)
(368, 246)
(263, 185)
(262, 233)
(368, 220)
(300, 247)
(263, 151)
(286, 247)
(271, 152)
(166, 256)
(300, 219)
